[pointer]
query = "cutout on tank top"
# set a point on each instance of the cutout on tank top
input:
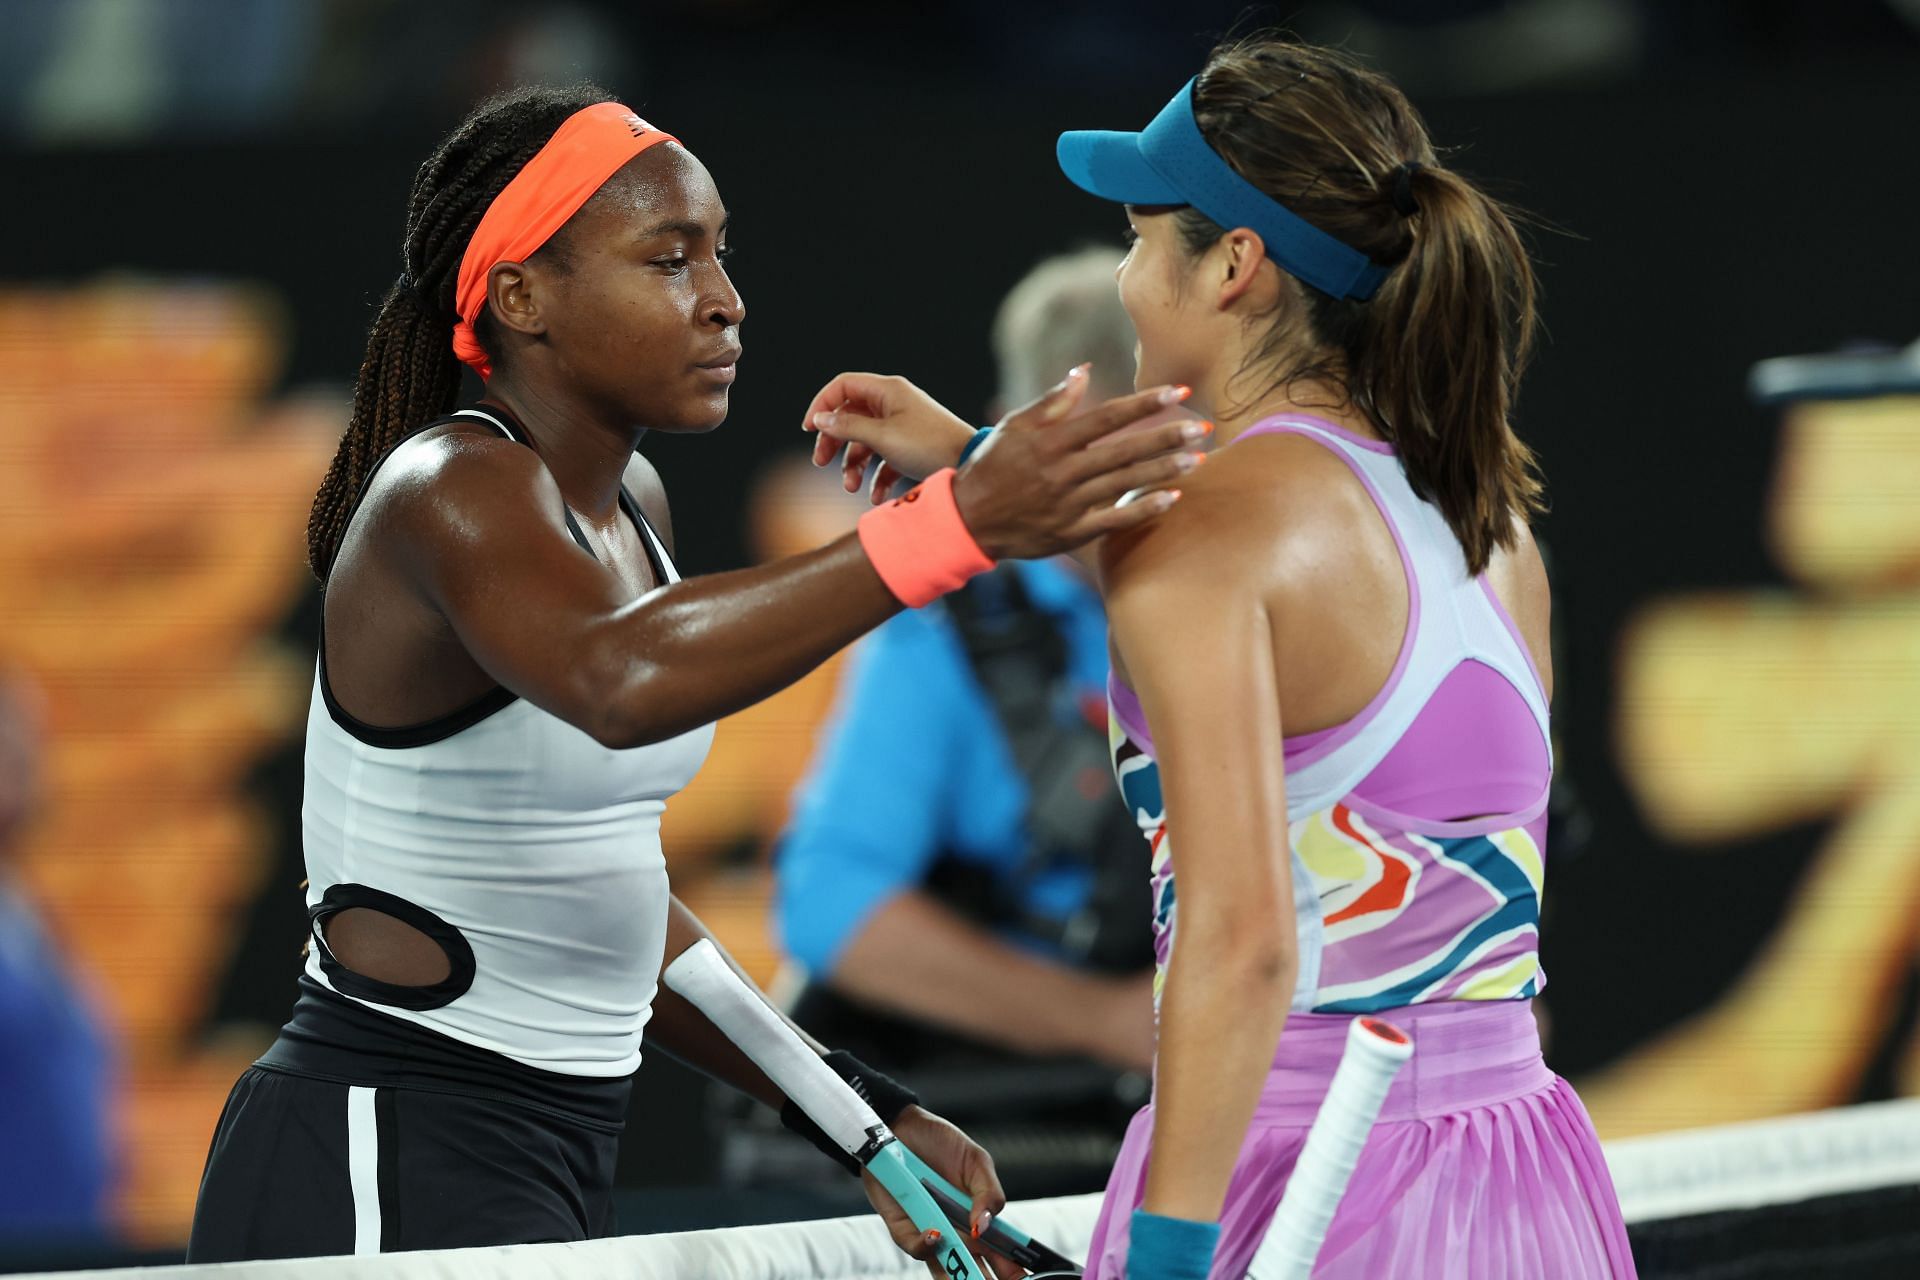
(392, 946)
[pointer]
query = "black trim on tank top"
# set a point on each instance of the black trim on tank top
(499, 698)
(330, 1037)
(424, 734)
(459, 953)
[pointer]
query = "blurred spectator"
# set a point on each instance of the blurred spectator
(958, 875)
(54, 1069)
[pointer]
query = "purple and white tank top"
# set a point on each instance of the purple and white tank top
(1418, 827)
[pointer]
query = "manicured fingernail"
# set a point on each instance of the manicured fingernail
(1168, 497)
(986, 1220)
(933, 1237)
(1078, 371)
(1188, 461)
(1196, 431)
(1174, 395)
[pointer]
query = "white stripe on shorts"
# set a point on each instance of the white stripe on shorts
(363, 1169)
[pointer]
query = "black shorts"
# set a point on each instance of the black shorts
(374, 1140)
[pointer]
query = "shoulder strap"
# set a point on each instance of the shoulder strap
(663, 568)
(504, 424)
(394, 448)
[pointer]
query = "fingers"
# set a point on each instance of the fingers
(989, 1197)
(1004, 1268)
(872, 390)
(924, 1245)
(885, 478)
(825, 449)
(860, 423)
(1104, 520)
(1116, 413)
(912, 1241)
(1059, 401)
(983, 1184)
(1106, 489)
(1123, 449)
(853, 468)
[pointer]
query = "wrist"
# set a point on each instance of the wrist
(889, 1099)
(1162, 1248)
(921, 544)
(972, 445)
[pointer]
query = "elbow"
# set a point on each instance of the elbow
(621, 697)
(615, 725)
(617, 729)
(1252, 956)
(1268, 966)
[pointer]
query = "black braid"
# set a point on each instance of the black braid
(410, 375)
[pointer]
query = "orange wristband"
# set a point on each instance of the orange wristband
(919, 545)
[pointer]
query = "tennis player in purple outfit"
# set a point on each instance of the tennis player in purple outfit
(1331, 686)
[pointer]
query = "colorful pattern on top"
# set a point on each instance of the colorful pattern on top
(1405, 918)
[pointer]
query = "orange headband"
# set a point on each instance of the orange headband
(563, 175)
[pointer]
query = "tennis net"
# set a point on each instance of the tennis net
(1830, 1194)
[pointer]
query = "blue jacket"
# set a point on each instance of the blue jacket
(915, 765)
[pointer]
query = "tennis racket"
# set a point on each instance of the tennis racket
(710, 984)
(1374, 1055)
(1001, 1236)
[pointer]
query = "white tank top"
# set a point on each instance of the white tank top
(535, 850)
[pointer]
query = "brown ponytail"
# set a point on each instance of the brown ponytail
(1439, 357)
(410, 376)
(1435, 356)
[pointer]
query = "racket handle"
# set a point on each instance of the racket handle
(1374, 1055)
(709, 983)
(1002, 1236)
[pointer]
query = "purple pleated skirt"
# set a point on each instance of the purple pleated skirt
(1483, 1166)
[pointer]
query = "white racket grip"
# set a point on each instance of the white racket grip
(709, 983)
(1374, 1054)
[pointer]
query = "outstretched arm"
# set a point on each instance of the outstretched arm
(478, 524)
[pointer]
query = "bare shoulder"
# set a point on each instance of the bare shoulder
(1528, 563)
(1519, 578)
(643, 482)
(1270, 493)
(446, 490)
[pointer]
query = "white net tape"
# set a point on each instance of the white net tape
(1662, 1176)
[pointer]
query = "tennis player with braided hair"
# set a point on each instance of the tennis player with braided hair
(1331, 684)
(513, 679)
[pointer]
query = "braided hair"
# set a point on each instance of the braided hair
(410, 375)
